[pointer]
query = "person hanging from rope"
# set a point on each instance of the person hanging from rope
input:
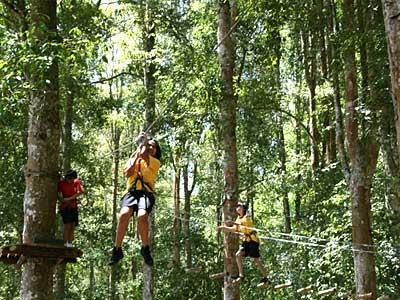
(141, 171)
(69, 188)
(250, 243)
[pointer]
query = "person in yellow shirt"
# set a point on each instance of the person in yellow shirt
(141, 171)
(250, 242)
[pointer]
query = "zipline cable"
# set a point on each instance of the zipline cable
(329, 243)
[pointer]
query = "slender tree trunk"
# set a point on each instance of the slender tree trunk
(363, 159)
(177, 212)
(330, 17)
(391, 162)
(310, 74)
(43, 152)
(321, 19)
(186, 223)
(150, 105)
(285, 200)
(391, 10)
(116, 137)
(297, 200)
(334, 73)
(281, 139)
(226, 54)
(60, 288)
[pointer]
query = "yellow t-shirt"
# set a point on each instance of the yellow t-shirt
(244, 225)
(148, 173)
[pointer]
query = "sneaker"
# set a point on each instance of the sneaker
(145, 252)
(69, 245)
(264, 282)
(237, 279)
(116, 256)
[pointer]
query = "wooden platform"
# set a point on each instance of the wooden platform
(12, 254)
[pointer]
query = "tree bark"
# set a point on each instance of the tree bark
(150, 107)
(297, 200)
(186, 223)
(116, 136)
(60, 288)
(226, 55)
(310, 74)
(391, 162)
(363, 156)
(43, 151)
(391, 11)
(177, 211)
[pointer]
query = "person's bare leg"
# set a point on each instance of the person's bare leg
(260, 267)
(239, 261)
(143, 227)
(71, 236)
(123, 222)
(66, 232)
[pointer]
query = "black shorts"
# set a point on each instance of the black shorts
(138, 200)
(251, 249)
(70, 216)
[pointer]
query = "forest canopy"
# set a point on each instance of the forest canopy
(289, 106)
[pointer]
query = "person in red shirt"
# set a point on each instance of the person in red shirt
(69, 188)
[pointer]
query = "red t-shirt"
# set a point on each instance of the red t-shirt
(69, 189)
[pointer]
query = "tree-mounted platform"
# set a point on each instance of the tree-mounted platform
(16, 254)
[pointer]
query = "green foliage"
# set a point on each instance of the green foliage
(101, 58)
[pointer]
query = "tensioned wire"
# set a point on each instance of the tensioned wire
(342, 246)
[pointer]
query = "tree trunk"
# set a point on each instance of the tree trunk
(334, 73)
(285, 200)
(150, 106)
(363, 157)
(297, 200)
(186, 223)
(310, 74)
(177, 212)
(43, 151)
(281, 139)
(391, 10)
(116, 136)
(392, 171)
(226, 54)
(60, 288)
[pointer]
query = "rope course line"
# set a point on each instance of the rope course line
(307, 289)
(342, 246)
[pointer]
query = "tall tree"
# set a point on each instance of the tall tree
(43, 148)
(363, 153)
(177, 209)
(149, 38)
(310, 67)
(391, 10)
(226, 53)
(188, 190)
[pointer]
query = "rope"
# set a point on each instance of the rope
(328, 243)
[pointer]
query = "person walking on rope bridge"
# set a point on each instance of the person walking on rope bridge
(141, 171)
(69, 188)
(250, 242)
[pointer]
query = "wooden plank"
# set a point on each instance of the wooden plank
(217, 276)
(193, 270)
(11, 254)
(364, 296)
(283, 286)
(327, 292)
(305, 290)
(10, 261)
